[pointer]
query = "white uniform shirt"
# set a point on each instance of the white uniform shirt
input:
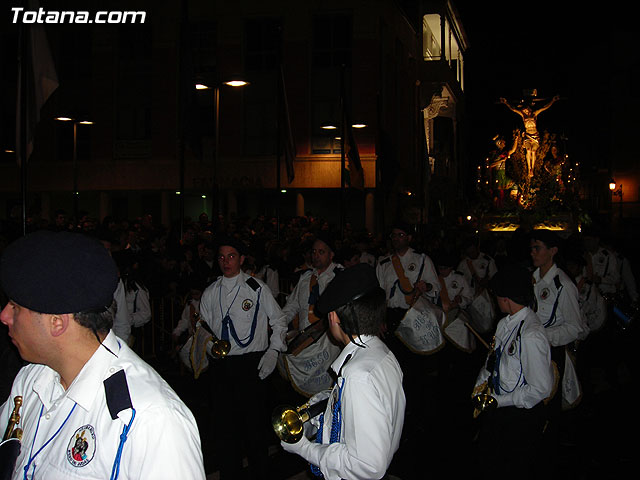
(138, 306)
(411, 262)
(457, 285)
(525, 372)
(373, 405)
(240, 300)
(484, 267)
(605, 266)
(121, 321)
(184, 324)
(163, 442)
(271, 277)
(298, 301)
(568, 324)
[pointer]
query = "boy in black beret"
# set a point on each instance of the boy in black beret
(84, 386)
(359, 432)
(518, 377)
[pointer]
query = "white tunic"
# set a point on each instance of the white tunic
(237, 298)
(163, 442)
(525, 372)
(484, 267)
(412, 262)
(372, 407)
(568, 324)
(605, 266)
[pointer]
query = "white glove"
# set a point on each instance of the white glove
(267, 363)
(295, 447)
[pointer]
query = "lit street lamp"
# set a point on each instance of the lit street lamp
(75, 158)
(614, 192)
(200, 85)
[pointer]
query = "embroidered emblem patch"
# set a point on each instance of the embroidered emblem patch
(544, 294)
(412, 267)
(512, 348)
(246, 305)
(82, 446)
(454, 284)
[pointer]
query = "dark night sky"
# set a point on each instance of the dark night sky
(510, 49)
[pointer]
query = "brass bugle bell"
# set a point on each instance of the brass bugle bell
(484, 401)
(219, 348)
(14, 419)
(288, 422)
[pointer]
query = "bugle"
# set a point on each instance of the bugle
(219, 348)
(288, 422)
(11, 442)
(483, 400)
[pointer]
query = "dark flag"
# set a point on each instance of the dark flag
(355, 177)
(286, 133)
(37, 80)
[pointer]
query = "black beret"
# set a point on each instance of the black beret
(58, 272)
(229, 241)
(328, 240)
(513, 281)
(402, 225)
(548, 237)
(348, 285)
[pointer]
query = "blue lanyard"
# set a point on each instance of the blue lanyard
(32, 457)
(496, 368)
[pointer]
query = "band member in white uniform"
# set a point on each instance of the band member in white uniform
(91, 407)
(361, 426)
(240, 309)
(518, 376)
(307, 369)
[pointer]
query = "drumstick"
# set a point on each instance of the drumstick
(477, 335)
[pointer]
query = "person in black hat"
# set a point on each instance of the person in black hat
(91, 407)
(240, 309)
(359, 432)
(518, 375)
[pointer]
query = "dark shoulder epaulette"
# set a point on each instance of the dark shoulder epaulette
(557, 282)
(605, 252)
(253, 283)
(384, 260)
(486, 257)
(459, 273)
(116, 392)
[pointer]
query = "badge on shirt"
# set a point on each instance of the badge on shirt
(454, 285)
(544, 294)
(512, 348)
(82, 446)
(246, 305)
(412, 267)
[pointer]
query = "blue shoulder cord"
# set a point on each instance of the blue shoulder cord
(495, 377)
(336, 425)
(32, 457)
(227, 323)
(115, 470)
(552, 317)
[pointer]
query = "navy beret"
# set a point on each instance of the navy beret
(513, 281)
(58, 272)
(348, 285)
(233, 242)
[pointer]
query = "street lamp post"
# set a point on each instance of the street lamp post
(75, 158)
(236, 83)
(616, 192)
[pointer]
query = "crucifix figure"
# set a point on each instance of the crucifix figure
(531, 136)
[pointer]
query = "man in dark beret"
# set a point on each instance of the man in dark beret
(359, 432)
(517, 375)
(83, 382)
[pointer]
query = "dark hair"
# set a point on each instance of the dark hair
(364, 315)
(98, 321)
